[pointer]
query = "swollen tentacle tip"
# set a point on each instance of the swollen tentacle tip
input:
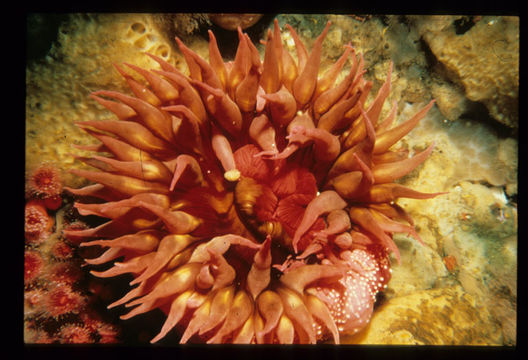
(232, 175)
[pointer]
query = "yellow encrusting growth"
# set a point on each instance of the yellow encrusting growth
(78, 63)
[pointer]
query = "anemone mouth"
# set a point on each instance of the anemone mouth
(251, 201)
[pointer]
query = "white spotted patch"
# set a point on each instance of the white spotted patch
(351, 304)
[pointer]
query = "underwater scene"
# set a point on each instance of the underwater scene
(271, 179)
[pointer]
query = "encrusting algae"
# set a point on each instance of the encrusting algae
(475, 223)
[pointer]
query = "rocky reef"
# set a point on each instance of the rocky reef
(458, 289)
(479, 55)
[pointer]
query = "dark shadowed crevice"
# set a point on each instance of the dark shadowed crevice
(463, 24)
(41, 32)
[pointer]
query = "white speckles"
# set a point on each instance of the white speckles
(351, 303)
(351, 306)
(318, 329)
(288, 39)
(499, 196)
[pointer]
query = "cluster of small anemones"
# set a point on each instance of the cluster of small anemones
(56, 306)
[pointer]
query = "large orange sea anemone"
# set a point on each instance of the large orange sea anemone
(252, 201)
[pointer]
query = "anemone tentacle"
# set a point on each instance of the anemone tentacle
(252, 201)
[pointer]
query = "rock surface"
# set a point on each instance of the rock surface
(483, 59)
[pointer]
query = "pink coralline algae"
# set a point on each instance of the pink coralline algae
(252, 201)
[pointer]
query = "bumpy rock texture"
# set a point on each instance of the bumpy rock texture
(476, 223)
(444, 316)
(58, 86)
(484, 60)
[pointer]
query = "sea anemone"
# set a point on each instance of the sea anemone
(75, 334)
(253, 202)
(108, 334)
(64, 272)
(62, 299)
(37, 222)
(33, 265)
(61, 250)
(45, 183)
